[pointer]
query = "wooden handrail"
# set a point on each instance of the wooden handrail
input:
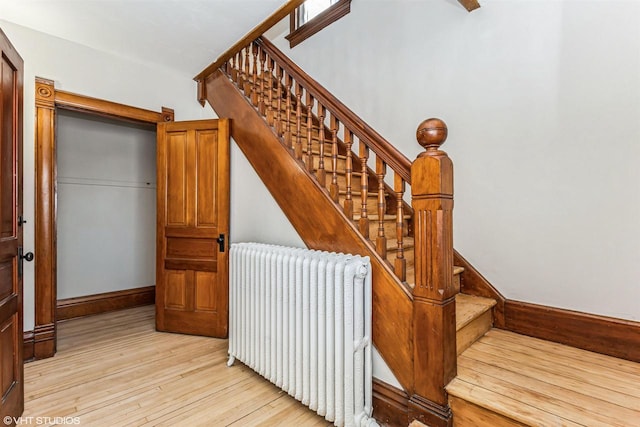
(383, 148)
(260, 29)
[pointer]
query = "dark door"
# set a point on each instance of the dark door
(11, 365)
(192, 273)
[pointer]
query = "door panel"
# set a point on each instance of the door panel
(11, 366)
(193, 211)
(176, 178)
(7, 158)
(205, 294)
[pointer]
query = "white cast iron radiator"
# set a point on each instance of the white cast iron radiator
(302, 319)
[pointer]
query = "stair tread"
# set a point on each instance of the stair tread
(470, 307)
(537, 382)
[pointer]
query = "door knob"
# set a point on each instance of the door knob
(220, 241)
(27, 257)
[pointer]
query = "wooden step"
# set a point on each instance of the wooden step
(408, 250)
(473, 319)
(372, 202)
(328, 165)
(457, 275)
(507, 379)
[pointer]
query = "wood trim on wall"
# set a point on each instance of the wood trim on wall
(394, 407)
(71, 308)
(47, 100)
(101, 107)
(390, 404)
(601, 334)
(28, 339)
(45, 221)
(470, 5)
(324, 19)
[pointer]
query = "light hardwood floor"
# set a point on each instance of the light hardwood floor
(539, 383)
(114, 369)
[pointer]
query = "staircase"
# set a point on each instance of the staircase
(343, 187)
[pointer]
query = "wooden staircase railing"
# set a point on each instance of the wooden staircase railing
(350, 161)
(303, 114)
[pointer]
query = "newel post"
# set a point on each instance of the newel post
(434, 329)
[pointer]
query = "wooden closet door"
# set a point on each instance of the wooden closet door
(11, 366)
(192, 274)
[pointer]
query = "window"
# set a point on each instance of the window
(313, 15)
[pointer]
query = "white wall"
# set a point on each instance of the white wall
(83, 70)
(255, 215)
(542, 99)
(106, 228)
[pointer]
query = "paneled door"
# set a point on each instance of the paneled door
(11, 367)
(192, 272)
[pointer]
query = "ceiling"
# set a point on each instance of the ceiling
(185, 35)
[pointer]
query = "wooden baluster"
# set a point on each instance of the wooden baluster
(269, 84)
(309, 161)
(247, 82)
(279, 103)
(254, 65)
(381, 240)
(434, 308)
(400, 263)
(287, 135)
(364, 190)
(321, 174)
(261, 103)
(348, 200)
(334, 190)
(230, 69)
(239, 73)
(298, 149)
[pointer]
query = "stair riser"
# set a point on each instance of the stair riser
(473, 331)
(356, 200)
(456, 282)
(389, 229)
(328, 162)
(408, 255)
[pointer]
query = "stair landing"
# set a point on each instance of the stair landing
(507, 379)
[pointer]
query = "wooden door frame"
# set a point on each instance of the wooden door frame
(47, 100)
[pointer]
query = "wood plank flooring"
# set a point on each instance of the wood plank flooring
(539, 383)
(115, 370)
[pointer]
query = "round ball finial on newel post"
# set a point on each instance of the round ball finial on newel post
(431, 134)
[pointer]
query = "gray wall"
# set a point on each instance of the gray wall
(106, 205)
